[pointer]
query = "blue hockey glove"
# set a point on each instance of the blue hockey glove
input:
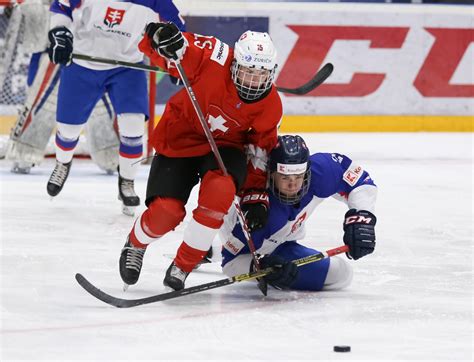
(359, 233)
(60, 45)
(284, 274)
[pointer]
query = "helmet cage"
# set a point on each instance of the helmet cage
(290, 157)
(254, 65)
(251, 82)
(291, 199)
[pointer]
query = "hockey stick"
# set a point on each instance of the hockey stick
(128, 303)
(262, 285)
(314, 82)
(137, 66)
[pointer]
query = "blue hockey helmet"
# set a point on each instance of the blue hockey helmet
(290, 157)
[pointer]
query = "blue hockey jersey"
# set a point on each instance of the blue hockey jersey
(332, 175)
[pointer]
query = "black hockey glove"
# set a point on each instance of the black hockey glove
(166, 39)
(285, 272)
(359, 233)
(255, 205)
(60, 45)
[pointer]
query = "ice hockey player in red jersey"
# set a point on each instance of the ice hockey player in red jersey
(242, 108)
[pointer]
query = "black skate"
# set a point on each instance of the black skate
(58, 178)
(206, 260)
(127, 195)
(130, 264)
(175, 277)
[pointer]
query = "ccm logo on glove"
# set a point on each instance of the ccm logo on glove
(358, 219)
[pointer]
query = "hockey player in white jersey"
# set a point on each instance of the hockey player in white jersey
(35, 123)
(298, 183)
(107, 29)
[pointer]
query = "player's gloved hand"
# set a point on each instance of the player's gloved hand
(167, 40)
(284, 274)
(255, 205)
(359, 233)
(60, 45)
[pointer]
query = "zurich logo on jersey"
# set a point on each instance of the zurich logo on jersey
(113, 17)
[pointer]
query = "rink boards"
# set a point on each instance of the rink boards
(397, 67)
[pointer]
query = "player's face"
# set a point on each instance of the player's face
(289, 185)
(252, 77)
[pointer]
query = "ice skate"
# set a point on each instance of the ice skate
(206, 260)
(127, 195)
(175, 277)
(130, 264)
(58, 178)
(21, 167)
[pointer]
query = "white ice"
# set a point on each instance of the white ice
(410, 300)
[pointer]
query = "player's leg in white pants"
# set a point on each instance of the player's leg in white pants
(67, 136)
(339, 274)
(131, 128)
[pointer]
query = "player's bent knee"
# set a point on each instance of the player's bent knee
(339, 274)
(163, 215)
(69, 131)
(131, 124)
(215, 198)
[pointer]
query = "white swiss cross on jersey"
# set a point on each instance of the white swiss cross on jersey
(217, 123)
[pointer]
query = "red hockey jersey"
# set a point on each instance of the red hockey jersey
(233, 122)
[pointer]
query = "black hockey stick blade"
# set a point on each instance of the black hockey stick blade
(263, 286)
(314, 82)
(128, 303)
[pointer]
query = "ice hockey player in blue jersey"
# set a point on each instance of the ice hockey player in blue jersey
(104, 29)
(298, 183)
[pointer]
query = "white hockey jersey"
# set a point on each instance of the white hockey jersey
(107, 29)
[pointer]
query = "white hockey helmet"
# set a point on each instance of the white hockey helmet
(254, 65)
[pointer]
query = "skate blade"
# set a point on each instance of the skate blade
(21, 170)
(128, 210)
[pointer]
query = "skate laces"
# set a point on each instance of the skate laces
(134, 258)
(127, 187)
(59, 174)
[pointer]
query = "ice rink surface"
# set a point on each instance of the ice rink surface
(410, 300)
